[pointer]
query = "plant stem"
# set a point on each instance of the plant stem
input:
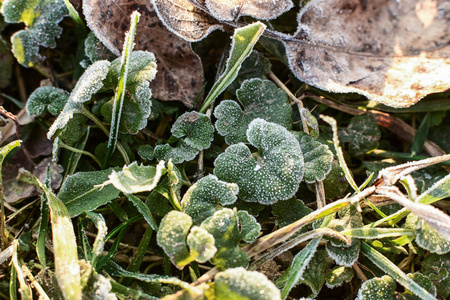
(64, 145)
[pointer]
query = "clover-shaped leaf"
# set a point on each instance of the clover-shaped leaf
(47, 96)
(206, 196)
(41, 18)
(337, 276)
(260, 99)
(195, 129)
(317, 156)
(362, 134)
(426, 236)
(172, 234)
(90, 82)
(137, 104)
(136, 178)
(378, 289)
(437, 268)
(238, 283)
(274, 173)
(343, 254)
(146, 152)
(228, 230)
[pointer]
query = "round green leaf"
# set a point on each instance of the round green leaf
(195, 129)
(47, 96)
(377, 289)
(274, 173)
(239, 283)
(201, 244)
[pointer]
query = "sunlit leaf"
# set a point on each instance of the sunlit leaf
(273, 173)
(427, 237)
(259, 99)
(337, 276)
(377, 289)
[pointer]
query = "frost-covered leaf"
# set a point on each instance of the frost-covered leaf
(224, 226)
(378, 289)
(172, 235)
(343, 254)
(254, 66)
(180, 71)
(426, 236)
(54, 99)
(249, 227)
(195, 129)
(146, 152)
(206, 196)
(383, 50)
(178, 154)
(290, 211)
(88, 84)
(239, 283)
(310, 121)
(337, 276)
(95, 50)
(437, 267)
(273, 173)
(201, 244)
(41, 18)
(259, 99)
(424, 282)
(314, 275)
(6, 62)
(144, 210)
(362, 134)
(136, 178)
(137, 105)
(80, 194)
(335, 183)
(438, 191)
(317, 157)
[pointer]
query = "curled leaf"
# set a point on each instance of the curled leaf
(201, 244)
(273, 173)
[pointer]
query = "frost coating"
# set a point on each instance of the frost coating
(178, 154)
(426, 236)
(362, 134)
(239, 283)
(47, 96)
(337, 276)
(272, 174)
(377, 289)
(90, 82)
(171, 236)
(136, 178)
(201, 244)
(195, 129)
(260, 99)
(228, 230)
(41, 18)
(206, 196)
(137, 104)
(317, 156)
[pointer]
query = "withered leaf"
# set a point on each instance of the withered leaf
(180, 73)
(393, 52)
(195, 19)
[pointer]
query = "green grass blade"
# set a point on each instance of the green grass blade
(378, 233)
(67, 269)
(244, 39)
(392, 270)
(144, 210)
(121, 88)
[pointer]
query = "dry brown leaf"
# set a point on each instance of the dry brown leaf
(195, 19)
(393, 52)
(180, 73)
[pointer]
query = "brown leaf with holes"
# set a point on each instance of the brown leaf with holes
(180, 72)
(195, 19)
(393, 52)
